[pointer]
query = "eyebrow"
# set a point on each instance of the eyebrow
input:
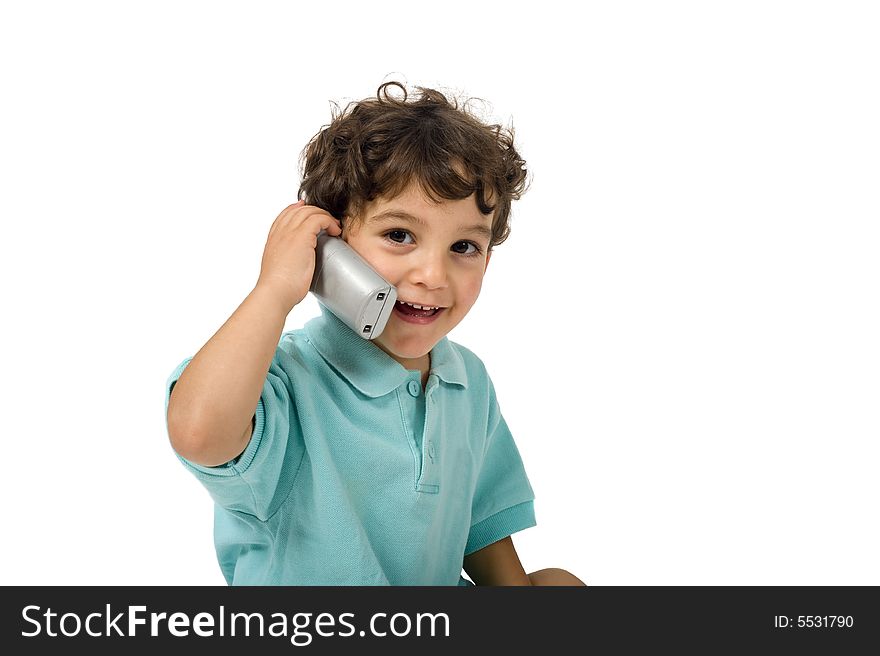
(402, 215)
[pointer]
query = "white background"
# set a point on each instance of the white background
(682, 329)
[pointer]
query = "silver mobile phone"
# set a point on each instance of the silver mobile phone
(350, 288)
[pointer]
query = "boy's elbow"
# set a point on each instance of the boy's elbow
(187, 435)
(186, 441)
(205, 447)
(180, 429)
(197, 438)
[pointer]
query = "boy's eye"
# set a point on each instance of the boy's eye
(397, 235)
(465, 248)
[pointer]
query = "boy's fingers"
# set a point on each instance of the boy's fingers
(294, 219)
(313, 214)
(330, 224)
(288, 212)
(290, 209)
(335, 226)
(285, 212)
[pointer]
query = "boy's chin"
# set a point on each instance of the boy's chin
(410, 351)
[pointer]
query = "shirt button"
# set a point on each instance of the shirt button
(413, 387)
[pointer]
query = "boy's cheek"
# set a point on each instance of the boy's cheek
(470, 296)
(385, 269)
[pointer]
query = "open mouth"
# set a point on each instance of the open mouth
(415, 310)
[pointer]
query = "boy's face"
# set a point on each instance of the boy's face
(435, 255)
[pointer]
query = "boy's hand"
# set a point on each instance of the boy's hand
(289, 257)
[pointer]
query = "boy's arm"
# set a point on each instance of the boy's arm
(496, 564)
(212, 405)
(211, 409)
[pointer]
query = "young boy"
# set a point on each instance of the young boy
(334, 460)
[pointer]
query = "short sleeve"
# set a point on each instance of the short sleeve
(258, 480)
(503, 500)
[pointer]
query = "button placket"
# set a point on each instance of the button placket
(408, 424)
(429, 481)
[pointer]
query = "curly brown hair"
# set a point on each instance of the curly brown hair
(378, 146)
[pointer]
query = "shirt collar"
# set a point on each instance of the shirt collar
(372, 371)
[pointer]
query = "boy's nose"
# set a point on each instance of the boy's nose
(430, 271)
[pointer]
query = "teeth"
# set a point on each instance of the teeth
(420, 307)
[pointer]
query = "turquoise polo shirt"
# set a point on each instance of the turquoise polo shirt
(356, 475)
